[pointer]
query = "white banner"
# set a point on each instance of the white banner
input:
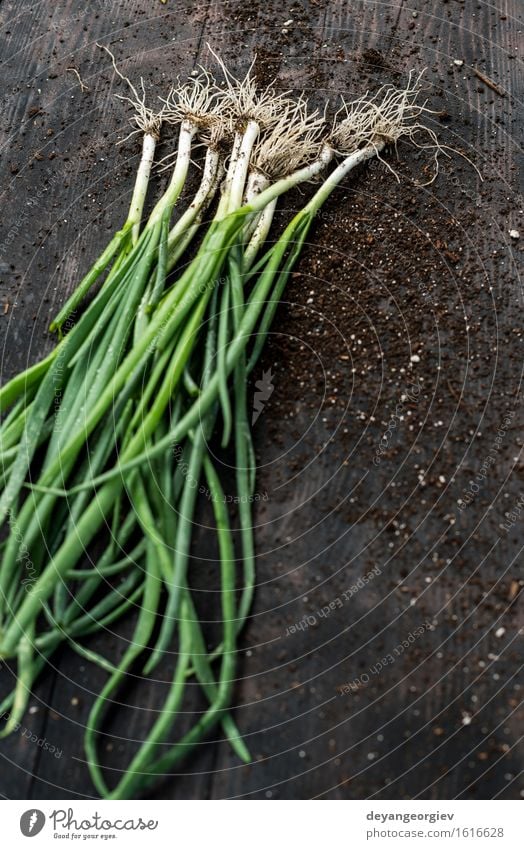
(261, 825)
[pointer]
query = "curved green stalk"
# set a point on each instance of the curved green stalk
(214, 714)
(160, 729)
(142, 633)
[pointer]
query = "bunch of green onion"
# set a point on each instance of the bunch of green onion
(99, 508)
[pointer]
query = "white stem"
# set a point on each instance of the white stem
(179, 240)
(242, 167)
(183, 159)
(301, 176)
(260, 232)
(203, 196)
(341, 171)
(233, 159)
(256, 183)
(142, 179)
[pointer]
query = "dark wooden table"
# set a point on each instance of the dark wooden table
(396, 365)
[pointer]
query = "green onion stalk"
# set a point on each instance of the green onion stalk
(81, 366)
(159, 360)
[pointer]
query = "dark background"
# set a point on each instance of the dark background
(393, 271)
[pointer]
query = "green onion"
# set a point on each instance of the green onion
(106, 440)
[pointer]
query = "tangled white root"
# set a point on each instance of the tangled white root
(216, 131)
(145, 119)
(199, 101)
(390, 115)
(294, 140)
(289, 136)
(244, 102)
